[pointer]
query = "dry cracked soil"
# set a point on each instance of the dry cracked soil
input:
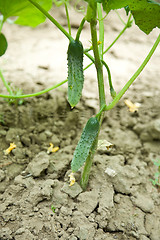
(36, 201)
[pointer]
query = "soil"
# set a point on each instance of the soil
(36, 201)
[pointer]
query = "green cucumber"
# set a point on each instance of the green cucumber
(85, 143)
(75, 72)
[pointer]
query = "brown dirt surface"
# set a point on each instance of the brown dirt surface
(36, 201)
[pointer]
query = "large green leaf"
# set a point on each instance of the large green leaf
(114, 4)
(26, 13)
(145, 12)
(3, 44)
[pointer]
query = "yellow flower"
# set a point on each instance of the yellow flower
(11, 147)
(52, 149)
(133, 107)
(71, 179)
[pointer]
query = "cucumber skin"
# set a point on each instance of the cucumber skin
(75, 72)
(85, 143)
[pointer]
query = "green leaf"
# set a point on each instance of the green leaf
(145, 12)
(3, 44)
(114, 4)
(26, 13)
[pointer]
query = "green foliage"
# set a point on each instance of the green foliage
(3, 44)
(16, 92)
(75, 72)
(53, 209)
(85, 143)
(58, 3)
(25, 12)
(146, 13)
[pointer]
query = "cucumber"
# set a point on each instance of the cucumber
(75, 72)
(85, 143)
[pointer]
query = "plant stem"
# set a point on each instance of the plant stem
(127, 25)
(98, 63)
(6, 84)
(68, 19)
(87, 166)
(88, 66)
(119, 35)
(59, 26)
(1, 22)
(120, 17)
(102, 101)
(34, 94)
(101, 30)
(135, 75)
(80, 29)
(112, 91)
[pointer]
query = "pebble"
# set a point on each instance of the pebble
(155, 129)
(2, 175)
(38, 164)
(5, 233)
(143, 202)
(55, 140)
(65, 211)
(26, 141)
(18, 153)
(20, 231)
(72, 191)
(3, 132)
(35, 209)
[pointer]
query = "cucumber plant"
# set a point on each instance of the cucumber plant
(145, 13)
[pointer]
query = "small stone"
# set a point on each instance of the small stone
(35, 209)
(73, 238)
(143, 202)
(41, 191)
(70, 230)
(55, 140)
(38, 164)
(3, 132)
(110, 172)
(26, 141)
(2, 175)
(26, 182)
(20, 231)
(5, 233)
(65, 211)
(89, 199)
(72, 191)
(42, 137)
(18, 153)
(154, 129)
(48, 133)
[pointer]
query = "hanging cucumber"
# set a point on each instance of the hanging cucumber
(85, 143)
(75, 72)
